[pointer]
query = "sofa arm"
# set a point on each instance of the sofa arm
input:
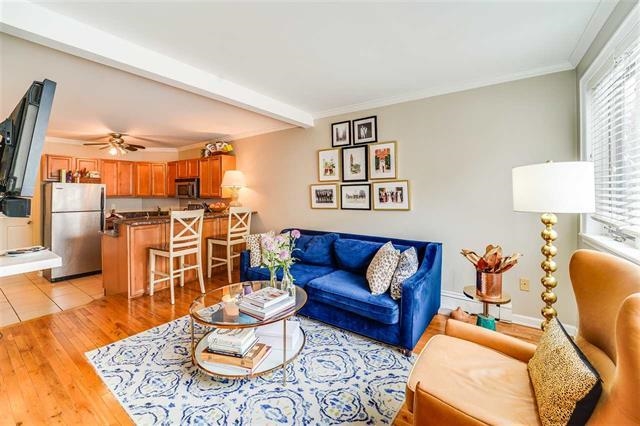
(421, 297)
(245, 262)
(508, 345)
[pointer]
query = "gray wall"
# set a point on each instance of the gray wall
(457, 150)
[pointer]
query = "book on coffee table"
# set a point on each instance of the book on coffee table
(273, 310)
(266, 297)
(251, 360)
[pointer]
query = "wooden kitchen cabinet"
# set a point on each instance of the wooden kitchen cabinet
(90, 164)
(158, 180)
(125, 178)
(109, 176)
(182, 169)
(50, 166)
(211, 172)
(142, 179)
(193, 168)
(187, 168)
(172, 173)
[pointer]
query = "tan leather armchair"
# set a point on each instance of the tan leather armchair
(474, 376)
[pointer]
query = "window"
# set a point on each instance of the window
(610, 96)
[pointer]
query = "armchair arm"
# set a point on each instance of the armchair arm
(421, 297)
(508, 345)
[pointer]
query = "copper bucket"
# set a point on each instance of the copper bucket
(489, 285)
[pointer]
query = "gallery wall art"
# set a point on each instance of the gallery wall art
(355, 159)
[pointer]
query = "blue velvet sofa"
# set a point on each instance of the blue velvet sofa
(332, 268)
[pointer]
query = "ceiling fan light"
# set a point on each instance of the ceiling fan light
(113, 150)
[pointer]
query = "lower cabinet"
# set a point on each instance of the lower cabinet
(15, 232)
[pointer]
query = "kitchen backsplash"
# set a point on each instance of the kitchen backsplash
(142, 204)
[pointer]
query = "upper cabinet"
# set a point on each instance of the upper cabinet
(159, 180)
(109, 176)
(125, 178)
(211, 171)
(50, 166)
(172, 173)
(142, 179)
(187, 168)
(88, 164)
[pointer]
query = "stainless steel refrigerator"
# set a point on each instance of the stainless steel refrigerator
(72, 222)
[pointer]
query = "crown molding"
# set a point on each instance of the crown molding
(37, 24)
(443, 90)
(595, 24)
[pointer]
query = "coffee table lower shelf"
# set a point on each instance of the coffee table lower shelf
(274, 360)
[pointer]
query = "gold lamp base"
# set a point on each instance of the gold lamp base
(549, 235)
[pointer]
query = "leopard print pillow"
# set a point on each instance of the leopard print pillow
(407, 266)
(382, 267)
(566, 386)
(254, 245)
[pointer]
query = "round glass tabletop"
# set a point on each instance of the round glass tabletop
(220, 308)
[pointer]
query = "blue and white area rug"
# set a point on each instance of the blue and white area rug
(338, 378)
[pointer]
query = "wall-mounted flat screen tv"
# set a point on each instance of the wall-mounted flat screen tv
(22, 135)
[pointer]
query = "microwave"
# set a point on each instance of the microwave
(188, 188)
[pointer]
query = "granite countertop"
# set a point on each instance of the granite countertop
(153, 220)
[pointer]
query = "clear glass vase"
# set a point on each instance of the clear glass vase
(287, 282)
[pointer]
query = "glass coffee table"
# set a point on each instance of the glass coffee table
(219, 309)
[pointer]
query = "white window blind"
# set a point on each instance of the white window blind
(613, 124)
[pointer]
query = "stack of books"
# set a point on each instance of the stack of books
(237, 350)
(266, 302)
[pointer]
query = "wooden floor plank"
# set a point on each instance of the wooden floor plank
(44, 359)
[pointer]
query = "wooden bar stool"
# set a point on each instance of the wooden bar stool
(185, 240)
(238, 227)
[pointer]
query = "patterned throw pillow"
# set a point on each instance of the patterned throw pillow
(566, 385)
(381, 268)
(407, 266)
(254, 245)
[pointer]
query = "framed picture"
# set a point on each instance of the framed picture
(354, 164)
(391, 195)
(355, 197)
(365, 130)
(324, 196)
(328, 165)
(341, 134)
(382, 160)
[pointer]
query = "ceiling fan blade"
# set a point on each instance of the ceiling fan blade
(136, 146)
(130, 148)
(105, 147)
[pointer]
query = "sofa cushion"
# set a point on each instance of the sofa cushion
(407, 266)
(356, 255)
(302, 273)
(467, 380)
(381, 269)
(318, 250)
(254, 245)
(350, 292)
(566, 385)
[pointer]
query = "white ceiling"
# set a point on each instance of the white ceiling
(92, 100)
(315, 58)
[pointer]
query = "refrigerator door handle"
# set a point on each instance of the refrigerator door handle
(102, 209)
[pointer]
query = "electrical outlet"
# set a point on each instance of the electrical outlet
(524, 284)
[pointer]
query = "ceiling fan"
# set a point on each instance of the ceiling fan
(117, 144)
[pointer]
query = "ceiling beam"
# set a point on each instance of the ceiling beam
(43, 26)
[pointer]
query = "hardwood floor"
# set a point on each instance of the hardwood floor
(46, 379)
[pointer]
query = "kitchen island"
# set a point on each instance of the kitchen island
(125, 251)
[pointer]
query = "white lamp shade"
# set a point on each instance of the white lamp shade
(564, 187)
(233, 179)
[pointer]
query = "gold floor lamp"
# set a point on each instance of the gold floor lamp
(548, 188)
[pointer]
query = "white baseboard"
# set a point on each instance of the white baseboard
(450, 300)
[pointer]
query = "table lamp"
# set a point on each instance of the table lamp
(548, 188)
(234, 180)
